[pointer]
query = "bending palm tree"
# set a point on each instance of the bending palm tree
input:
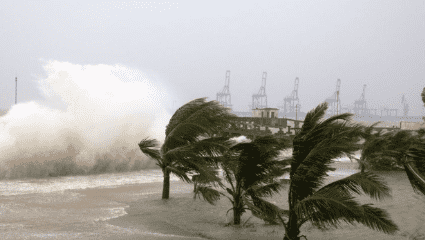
(314, 147)
(189, 143)
(414, 166)
(252, 171)
(392, 147)
(401, 148)
(373, 146)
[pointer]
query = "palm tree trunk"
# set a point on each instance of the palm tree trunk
(292, 228)
(166, 184)
(237, 205)
(237, 211)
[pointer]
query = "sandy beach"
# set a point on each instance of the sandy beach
(129, 206)
(182, 217)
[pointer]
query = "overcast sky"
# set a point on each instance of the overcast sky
(189, 45)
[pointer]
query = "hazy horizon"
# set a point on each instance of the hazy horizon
(189, 45)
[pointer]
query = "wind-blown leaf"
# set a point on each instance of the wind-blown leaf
(254, 164)
(368, 182)
(415, 180)
(376, 219)
(313, 117)
(268, 190)
(212, 179)
(423, 95)
(187, 132)
(180, 173)
(414, 165)
(184, 112)
(230, 191)
(312, 158)
(146, 146)
(416, 153)
(314, 148)
(209, 194)
(328, 209)
(265, 210)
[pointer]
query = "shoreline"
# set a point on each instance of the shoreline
(182, 217)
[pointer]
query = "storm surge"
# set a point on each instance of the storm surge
(91, 121)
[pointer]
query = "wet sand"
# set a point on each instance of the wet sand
(182, 217)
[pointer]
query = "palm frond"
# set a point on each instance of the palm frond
(180, 173)
(368, 130)
(183, 113)
(202, 179)
(257, 162)
(229, 177)
(195, 119)
(414, 164)
(421, 132)
(333, 132)
(184, 133)
(313, 117)
(401, 140)
(345, 117)
(265, 210)
(328, 209)
(313, 170)
(146, 146)
(211, 148)
(423, 95)
(203, 152)
(374, 145)
(214, 116)
(368, 182)
(416, 180)
(416, 153)
(230, 191)
(269, 189)
(313, 154)
(376, 219)
(208, 194)
(211, 114)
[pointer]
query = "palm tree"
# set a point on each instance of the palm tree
(414, 165)
(190, 143)
(314, 147)
(391, 147)
(400, 148)
(251, 170)
(373, 145)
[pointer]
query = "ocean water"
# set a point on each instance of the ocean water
(76, 207)
(70, 207)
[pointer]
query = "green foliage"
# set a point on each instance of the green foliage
(386, 151)
(383, 163)
(314, 147)
(423, 95)
(415, 166)
(190, 144)
(252, 170)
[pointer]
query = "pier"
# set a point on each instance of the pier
(253, 127)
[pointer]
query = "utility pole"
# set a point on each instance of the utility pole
(296, 112)
(337, 95)
(16, 90)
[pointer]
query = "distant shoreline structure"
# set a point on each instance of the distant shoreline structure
(357, 118)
